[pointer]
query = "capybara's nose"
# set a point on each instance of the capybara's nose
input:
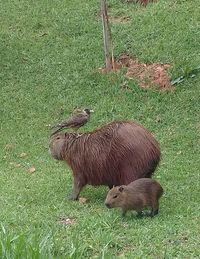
(107, 205)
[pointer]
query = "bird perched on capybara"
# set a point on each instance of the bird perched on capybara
(137, 195)
(76, 121)
(118, 153)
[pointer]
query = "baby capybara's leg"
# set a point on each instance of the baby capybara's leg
(124, 212)
(140, 214)
(153, 212)
(154, 208)
(77, 186)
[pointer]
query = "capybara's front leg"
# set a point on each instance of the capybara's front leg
(124, 210)
(77, 186)
(140, 214)
(153, 212)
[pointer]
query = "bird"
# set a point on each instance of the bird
(76, 121)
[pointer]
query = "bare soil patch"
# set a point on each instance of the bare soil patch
(153, 75)
(148, 75)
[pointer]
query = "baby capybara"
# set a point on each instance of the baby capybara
(137, 195)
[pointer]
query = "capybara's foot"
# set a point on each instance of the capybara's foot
(123, 214)
(153, 212)
(140, 215)
(72, 197)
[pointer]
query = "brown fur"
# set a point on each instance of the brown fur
(136, 196)
(117, 153)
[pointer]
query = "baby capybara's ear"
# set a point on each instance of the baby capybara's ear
(121, 188)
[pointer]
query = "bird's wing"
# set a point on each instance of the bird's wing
(56, 131)
(76, 120)
(80, 119)
(64, 123)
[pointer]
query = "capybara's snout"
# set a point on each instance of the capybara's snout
(107, 205)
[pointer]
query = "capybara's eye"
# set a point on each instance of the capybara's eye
(114, 197)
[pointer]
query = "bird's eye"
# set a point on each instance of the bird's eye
(114, 197)
(58, 138)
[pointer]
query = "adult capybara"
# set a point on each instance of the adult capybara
(118, 153)
(136, 196)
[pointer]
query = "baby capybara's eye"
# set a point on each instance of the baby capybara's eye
(114, 197)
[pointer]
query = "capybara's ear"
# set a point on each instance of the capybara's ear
(121, 188)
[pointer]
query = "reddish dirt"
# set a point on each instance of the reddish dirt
(147, 75)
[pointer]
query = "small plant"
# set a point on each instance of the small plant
(22, 246)
(188, 74)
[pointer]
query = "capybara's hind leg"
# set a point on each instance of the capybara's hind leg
(123, 212)
(140, 214)
(153, 212)
(154, 208)
(76, 190)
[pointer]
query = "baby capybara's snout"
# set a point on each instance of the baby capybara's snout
(107, 205)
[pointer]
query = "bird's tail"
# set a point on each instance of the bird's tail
(56, 131)
(55, 126)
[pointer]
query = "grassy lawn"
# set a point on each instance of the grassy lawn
(49, 51)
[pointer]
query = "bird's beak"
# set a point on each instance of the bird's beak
(91, 110)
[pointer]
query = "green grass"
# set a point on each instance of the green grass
(49, 51)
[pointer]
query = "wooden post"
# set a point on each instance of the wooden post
(106, 36)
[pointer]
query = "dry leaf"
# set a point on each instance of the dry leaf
(8, 147)
(66, 221)
(125, 225)
(22, 155)
(43, 34)
(32, 169)
(83, 200)
(16, 165)
(158, 119)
